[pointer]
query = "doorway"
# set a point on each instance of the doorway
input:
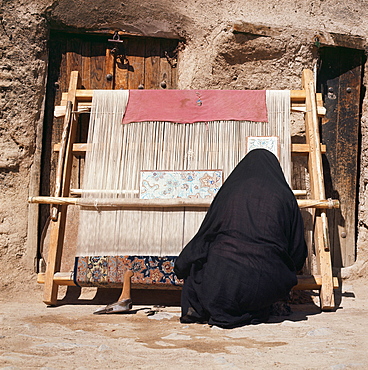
(103, 62)
(339, 79)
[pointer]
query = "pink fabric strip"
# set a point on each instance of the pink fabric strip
(188, 106)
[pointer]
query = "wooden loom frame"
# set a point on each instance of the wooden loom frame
(77, 100)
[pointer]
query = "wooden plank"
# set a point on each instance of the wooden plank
(74, 84)
(321, 111)
(97, 61)
(312, 282)
(59, 110)
(134, 203)
(319, 99)
(300, 192)
(300, 96)
(82, 191)
(54, 256)
(304, 149)
(336, 40)
(73, 56)
(58, 51)
(136, 63)
(52, 127)
(60, 278)
(77, 147)
(340, 78)
(86, 65)
(346, 168)
(295, 95)
(62, 154)
(166, 69)
(81, 95)
(121, 68)
(297, 149)
(175, 45)
(86, 106)
(317, 191)
(305, 282)
(109, 69)
(57, 228)
(152, 65)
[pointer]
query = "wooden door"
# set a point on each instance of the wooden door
(124, 63)
(340, 81)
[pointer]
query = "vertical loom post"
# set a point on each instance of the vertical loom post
(61, 161)
(58, 226)
(321, 240)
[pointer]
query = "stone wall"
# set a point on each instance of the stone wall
(23, 51)
(274, 45)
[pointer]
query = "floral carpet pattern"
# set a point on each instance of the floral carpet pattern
(180, 184)
(108, 271)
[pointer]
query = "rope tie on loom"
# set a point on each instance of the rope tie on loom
(95, 205)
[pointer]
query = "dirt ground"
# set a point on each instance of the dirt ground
(34, 336)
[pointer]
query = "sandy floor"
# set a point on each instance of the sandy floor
(34, 336)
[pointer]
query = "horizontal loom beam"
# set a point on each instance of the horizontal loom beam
(135, 203)
(305, 282)
(296, 149)
(295, 95)
(79, 192)
(84, 99)
(85, 107)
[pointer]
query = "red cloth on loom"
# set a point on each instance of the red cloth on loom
(188, 106)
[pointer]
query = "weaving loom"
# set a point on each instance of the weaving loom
(118, 230)
(119, 152)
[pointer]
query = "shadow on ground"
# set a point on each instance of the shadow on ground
(108, 295)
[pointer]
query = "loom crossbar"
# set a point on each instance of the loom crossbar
(305, 282)
(134, 203)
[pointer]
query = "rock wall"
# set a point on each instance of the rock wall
(274, 44)
(23, 65)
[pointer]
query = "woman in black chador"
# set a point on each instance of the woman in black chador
(248, 249)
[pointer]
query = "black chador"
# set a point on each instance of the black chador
(248, 249)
